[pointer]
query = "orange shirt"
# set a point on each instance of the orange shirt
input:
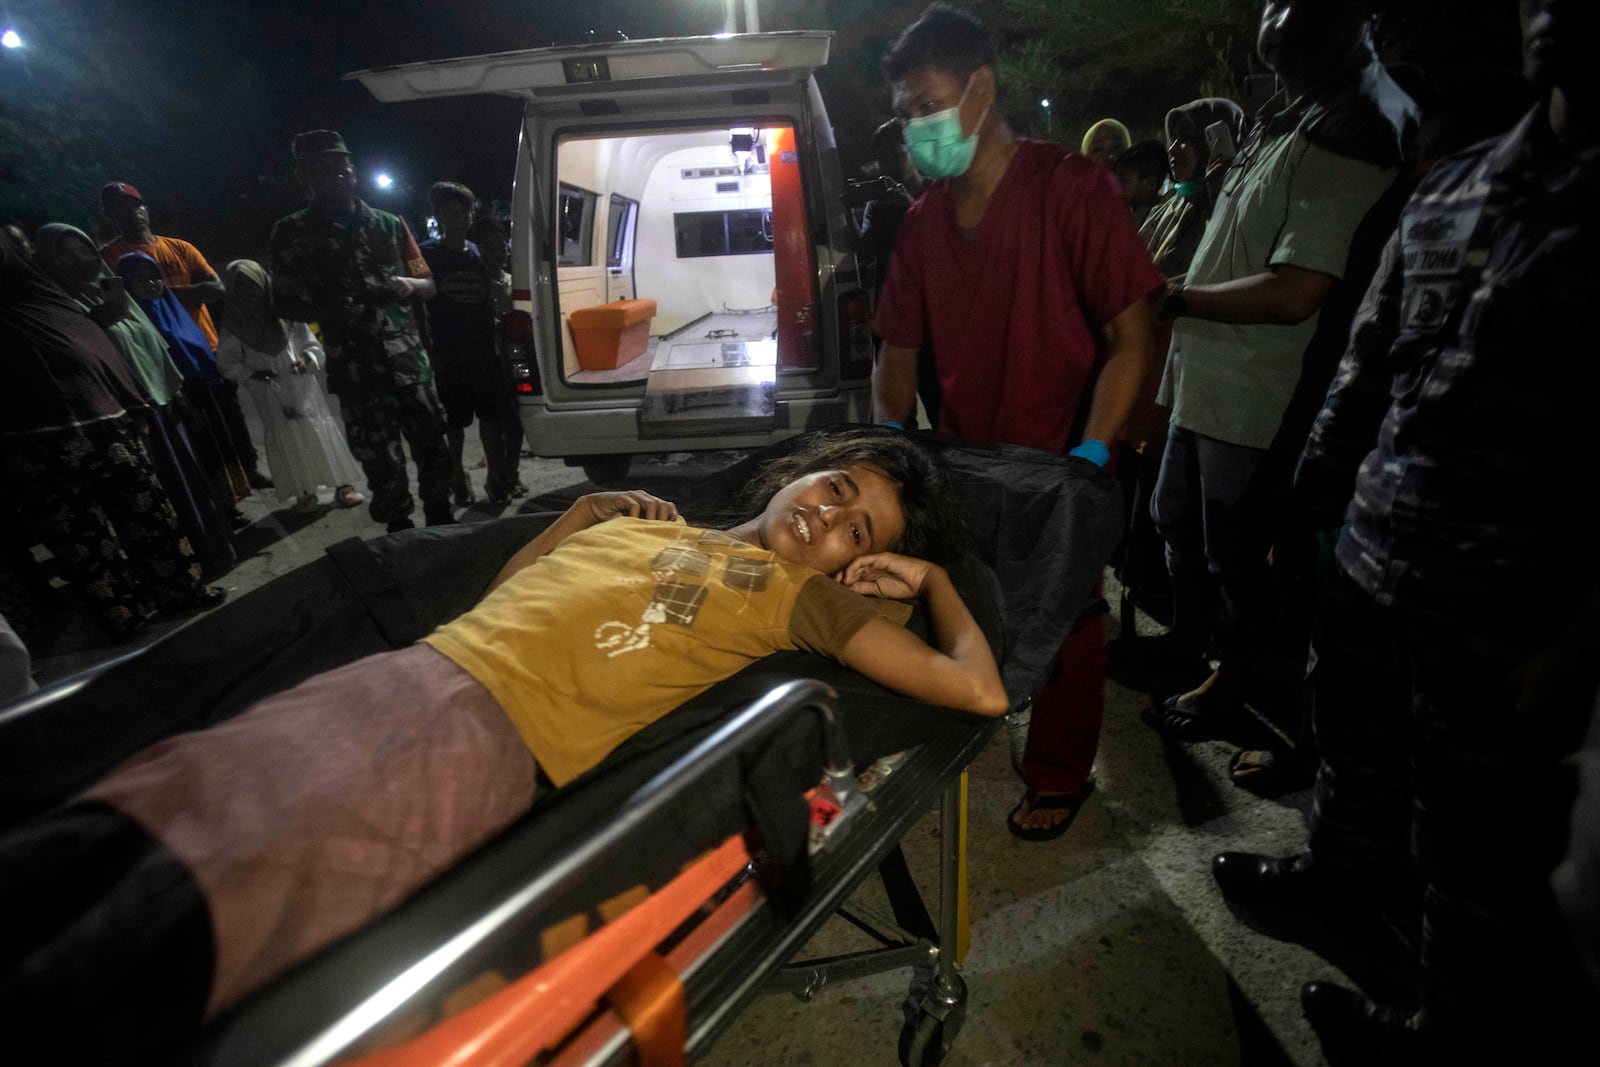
(179, 261)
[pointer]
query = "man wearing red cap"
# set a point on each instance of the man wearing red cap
(183, 269)
(186, 273)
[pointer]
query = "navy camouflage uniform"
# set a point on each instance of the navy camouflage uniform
(337, 267)
(1467, 559)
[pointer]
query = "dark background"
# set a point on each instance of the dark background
(195, 101)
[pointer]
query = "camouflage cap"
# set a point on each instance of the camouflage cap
(317, 142)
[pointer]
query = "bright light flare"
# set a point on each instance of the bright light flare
(383, 181)
(11, 39)
(1045, 103)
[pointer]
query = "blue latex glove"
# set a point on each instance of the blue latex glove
(1095, 452)
(892, 423)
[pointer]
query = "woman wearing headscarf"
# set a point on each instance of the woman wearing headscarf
(1171, 233)
(202, 379)
(74, 461)
(1105, 141)
(68, 256)
(277, 361)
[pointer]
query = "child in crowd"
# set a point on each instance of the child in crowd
(277, 363)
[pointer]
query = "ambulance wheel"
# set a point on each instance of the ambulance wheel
(606, 470)
(922, 1042)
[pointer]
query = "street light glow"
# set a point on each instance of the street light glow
(11, 39)
(383, 181)
(1044, 103)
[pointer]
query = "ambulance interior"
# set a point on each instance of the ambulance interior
(683, 250)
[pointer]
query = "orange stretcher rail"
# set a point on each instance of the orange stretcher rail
(537, 1012)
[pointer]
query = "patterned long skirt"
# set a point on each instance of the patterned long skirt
(91, 496)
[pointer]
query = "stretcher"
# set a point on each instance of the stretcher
(631, 914)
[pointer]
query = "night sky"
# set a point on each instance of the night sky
(195, 102)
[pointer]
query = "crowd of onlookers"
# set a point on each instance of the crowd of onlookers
(1351, 435)
(1331, 349)
(126, 447)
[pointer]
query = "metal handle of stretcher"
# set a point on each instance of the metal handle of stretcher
(585, 858)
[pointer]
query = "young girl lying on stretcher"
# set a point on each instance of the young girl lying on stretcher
(232, 853)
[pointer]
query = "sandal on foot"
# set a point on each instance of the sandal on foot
(1269, 773)
(305, 504)
(1182, 722)
(1069, 802)
(348, 496)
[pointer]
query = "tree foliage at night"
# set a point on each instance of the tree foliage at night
(195, 102)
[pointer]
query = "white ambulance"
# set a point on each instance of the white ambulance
(681, 253)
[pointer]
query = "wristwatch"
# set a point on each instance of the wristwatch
(1175, 304)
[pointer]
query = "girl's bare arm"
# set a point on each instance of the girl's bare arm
(957, 670)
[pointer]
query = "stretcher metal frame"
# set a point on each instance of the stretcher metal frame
(748, 953)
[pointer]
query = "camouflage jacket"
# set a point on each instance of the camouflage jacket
(334, 270)
(1459, 427)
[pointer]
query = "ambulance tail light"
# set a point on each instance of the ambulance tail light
(855, 335)
(516, 327)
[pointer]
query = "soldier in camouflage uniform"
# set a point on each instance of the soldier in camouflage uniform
(355, 271)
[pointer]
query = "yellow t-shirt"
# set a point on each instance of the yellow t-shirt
(628, 619)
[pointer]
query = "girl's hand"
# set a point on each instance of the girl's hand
(887, 574)
(632, 503)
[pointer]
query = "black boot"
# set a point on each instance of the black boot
(1355, 1030)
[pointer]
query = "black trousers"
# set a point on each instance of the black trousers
(1436, 780)
(105, 941)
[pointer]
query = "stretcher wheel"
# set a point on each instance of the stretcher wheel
(922, 1042)
(932, 1022)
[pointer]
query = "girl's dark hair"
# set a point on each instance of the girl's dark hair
(944, 38)
(934, 530)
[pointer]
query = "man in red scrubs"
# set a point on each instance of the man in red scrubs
(1022, 269)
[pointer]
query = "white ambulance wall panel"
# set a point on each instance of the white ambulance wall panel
(685, 289)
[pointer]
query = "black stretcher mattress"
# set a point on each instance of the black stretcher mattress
(1041, 526)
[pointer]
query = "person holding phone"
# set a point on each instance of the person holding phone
(1319, 155)
(1171, 232)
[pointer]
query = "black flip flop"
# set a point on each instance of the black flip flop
(1169, 719)
(1035, 802)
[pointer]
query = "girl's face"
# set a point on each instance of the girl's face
(145, 283)
(249, 295)
(77, 261)
(827, 519)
